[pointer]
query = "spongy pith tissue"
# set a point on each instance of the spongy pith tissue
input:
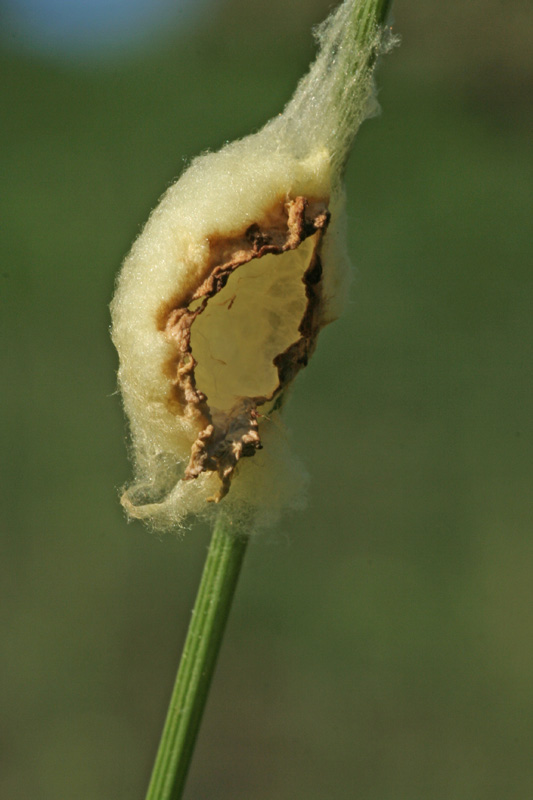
(220, 301)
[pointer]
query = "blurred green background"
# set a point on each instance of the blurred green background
(380, 645)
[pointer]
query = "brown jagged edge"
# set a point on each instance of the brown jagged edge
(225, 438)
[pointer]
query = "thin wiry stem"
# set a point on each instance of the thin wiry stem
(204, 637)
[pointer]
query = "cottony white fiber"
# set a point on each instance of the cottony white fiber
(242, 262)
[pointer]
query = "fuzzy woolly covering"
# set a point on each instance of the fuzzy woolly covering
(201, 393)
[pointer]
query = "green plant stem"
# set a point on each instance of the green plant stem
(371, 14)
(206, 629)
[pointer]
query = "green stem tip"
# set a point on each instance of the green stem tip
(198, 661)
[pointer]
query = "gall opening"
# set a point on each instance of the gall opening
(246, 331)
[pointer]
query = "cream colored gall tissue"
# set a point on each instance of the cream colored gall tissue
(220, 301)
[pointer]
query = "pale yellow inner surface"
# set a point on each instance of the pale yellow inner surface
(254, 318)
